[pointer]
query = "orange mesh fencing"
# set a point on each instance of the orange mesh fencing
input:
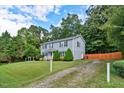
(104, 56)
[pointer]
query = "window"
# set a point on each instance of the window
(49, 45)
(78, 44)
(66, 43)
(59, 44)
(45, 46)
(62, 53)
(62, 44)
(52, 45)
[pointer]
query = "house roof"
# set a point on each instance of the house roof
(68, 38)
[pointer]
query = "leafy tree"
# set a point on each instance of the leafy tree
(5, 45)
(55, 33)
(31, 39)
(95, 37)
(3, 57)
(70, 26)
(31, 51)
(56, 55)
(115, 26)
(68, 55)
(26, 43)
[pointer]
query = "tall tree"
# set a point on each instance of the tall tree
(5, 45)
(31, 38)
(115, 26)
(96, 38)
(70, 26)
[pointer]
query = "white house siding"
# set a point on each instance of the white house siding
(77, 51)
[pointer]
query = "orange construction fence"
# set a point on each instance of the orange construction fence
(104, 56)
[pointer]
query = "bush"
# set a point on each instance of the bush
(4, 58)
(119, 68)
(68, 55)
(56, 56)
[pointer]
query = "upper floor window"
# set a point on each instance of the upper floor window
(78, 44)
(45, 46)
(51, 45)
(66, 43)
(61, 44)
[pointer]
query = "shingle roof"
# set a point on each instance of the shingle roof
(68, 38)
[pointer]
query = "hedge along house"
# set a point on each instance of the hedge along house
(75, 43)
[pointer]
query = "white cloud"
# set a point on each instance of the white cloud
(12, 22)
(11, 26)
(57, 9)
(40, 12)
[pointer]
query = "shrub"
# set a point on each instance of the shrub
(4, 58)
(68, 55)
(119, 68)
(56, 56)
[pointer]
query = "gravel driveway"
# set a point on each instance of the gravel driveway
(80, 74)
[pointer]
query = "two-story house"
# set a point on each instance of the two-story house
(75, 43)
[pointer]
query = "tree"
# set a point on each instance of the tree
(31, 39)
(70, 26)
(55, 33)
(56, 55)
(5, 45)
(26, 43)
(115, 26)
(95, 37)
(68, 55)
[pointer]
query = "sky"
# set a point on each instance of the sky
(13, 18)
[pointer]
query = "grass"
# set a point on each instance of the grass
(22, 73)
(98, 80)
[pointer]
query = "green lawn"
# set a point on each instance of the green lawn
(22, 73)
(99, 80)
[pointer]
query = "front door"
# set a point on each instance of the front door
(49, 53)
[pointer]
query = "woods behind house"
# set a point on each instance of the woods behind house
(103, 31)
